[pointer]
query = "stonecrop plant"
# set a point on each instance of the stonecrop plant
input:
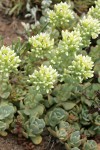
(8, 61)
(95, 11)
(62, 16)
(44, 79)
(89, 27)
(42, 45)
(7, 111)
(66, 50)
(56, 82)
(81, 68)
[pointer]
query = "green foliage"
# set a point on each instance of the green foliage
(74, 140)
(90, 145)
(75, 148)
(29, 113)
(7, 111)
(56, 85)
(34, 127)
(63, 131)
(85, 116)
(66, 50)
(62, 92)
(8, 64)
(95, 54)
(5, 89)
(55, 116)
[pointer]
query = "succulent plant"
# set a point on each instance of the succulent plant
(45, 4)
(88, 27)
(31, 105)
(42, 46)
(55, 116)
(63, 131)
(28, 111)
(62, 92)
(66, 50)
(90, 145)
(94, 53)
(34, 127)
(75, 139)
(44, 79)
(32, 98)
(7, 111)
(8, 62)
(62, 134)
(71, 41)
(85, 116)
(62, 16)
(75, 148)
(52, 87)
(5, 89)
(97, 119)
(95, 11)
(80, 69)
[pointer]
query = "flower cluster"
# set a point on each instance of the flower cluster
(67, 48)
(81, 68)
(62, 16)
(8, 61)
(41, 45)
(43, 79)
(88, 27)
(71, 41)
(95, 11)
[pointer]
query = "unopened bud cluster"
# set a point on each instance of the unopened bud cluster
(88, 27)
(64, 56)
(44, 79)
(95, 11)
(62, 16)
(8, 61)
(71, 43)
(81, 68)
(41, 45)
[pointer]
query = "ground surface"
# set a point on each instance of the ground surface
(10, 29)
(11, 142)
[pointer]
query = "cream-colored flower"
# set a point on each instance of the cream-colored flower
(42, 45)
(44, 79)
